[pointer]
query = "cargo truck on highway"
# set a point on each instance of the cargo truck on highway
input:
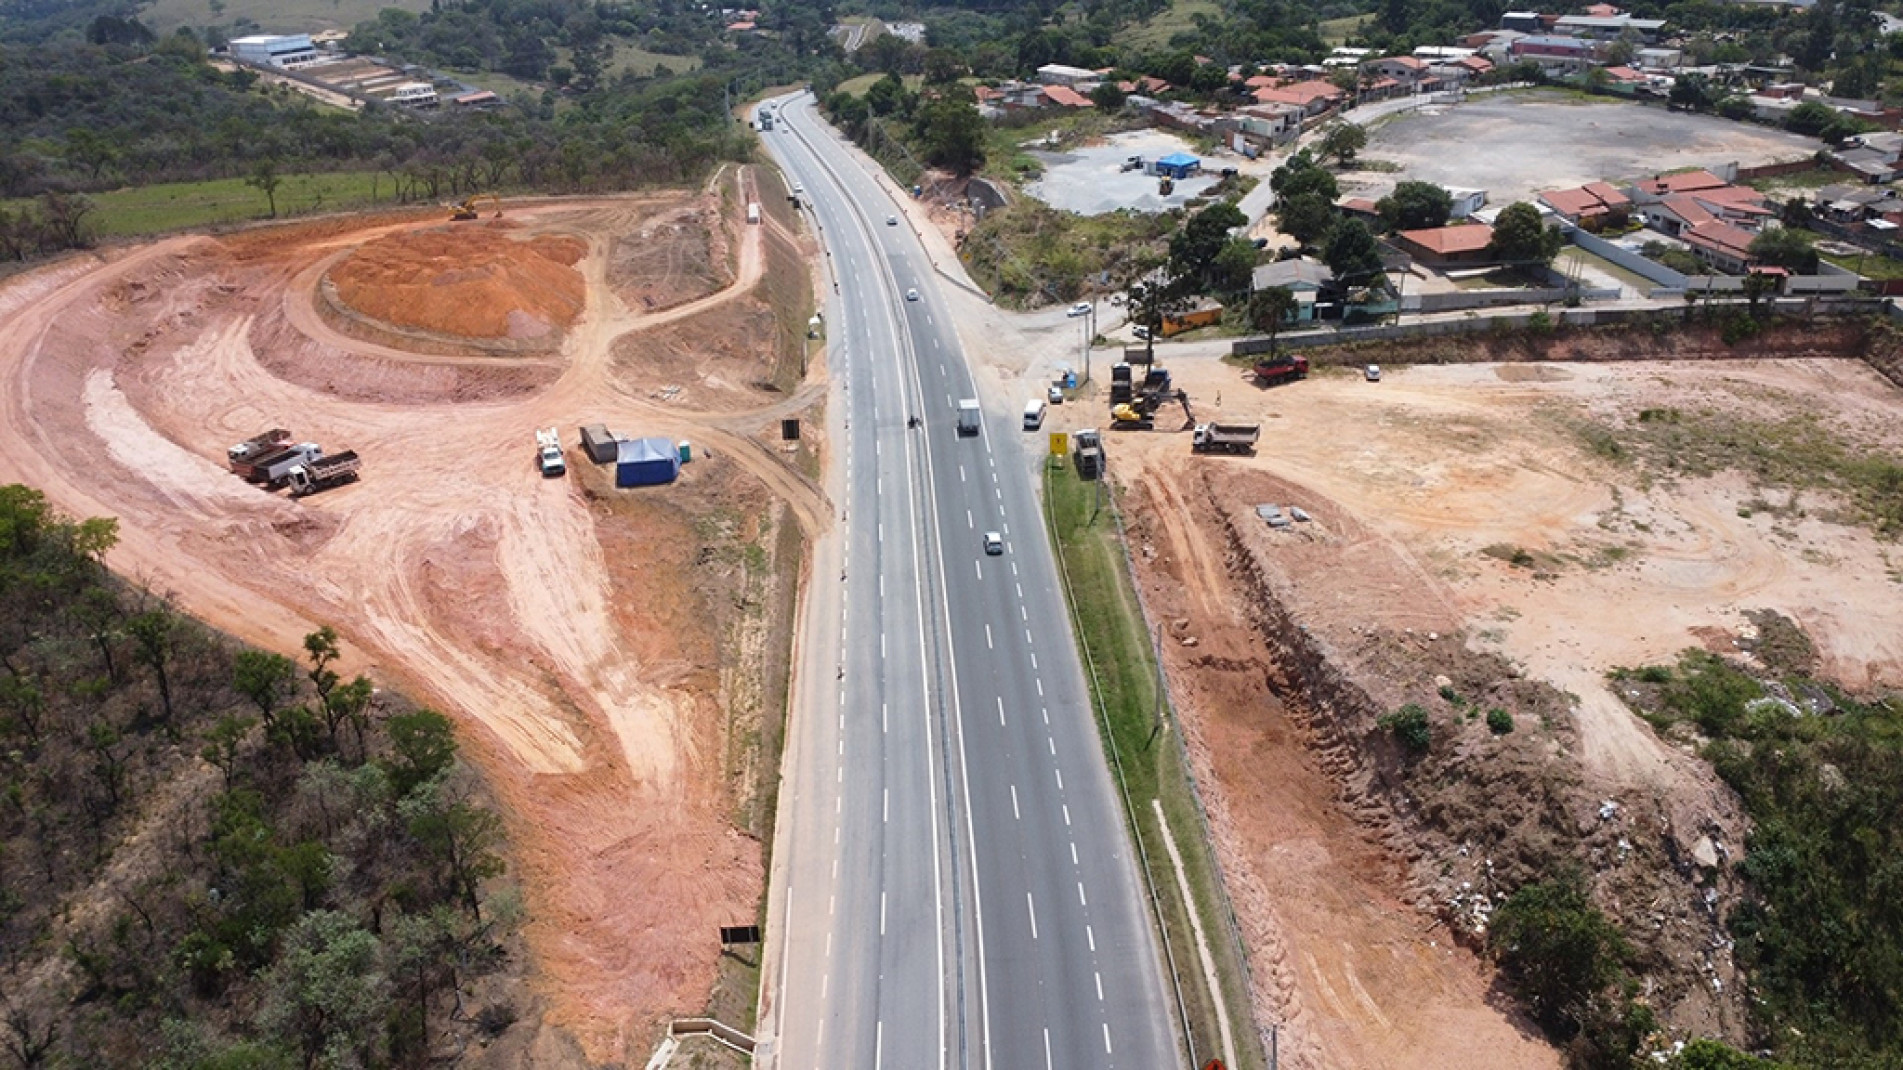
(1225, 438)
(968, 416)
(323, 473)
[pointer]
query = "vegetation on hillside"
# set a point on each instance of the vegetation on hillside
(1821, 775)
(216, 857)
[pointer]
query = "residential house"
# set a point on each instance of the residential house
(1306, 279)
(1625, 76)
(1272, 123)
(1721, 245)
(1673, 204)
(1462, 243)
(1853, 205)
(1466, 202)
(1679, 182)
(1360, 206)
(1059, 74)
(1872, 157)
(1312, 97)
(1658, 59)
(1064, 96)
(1594, 206)
(1406, 70)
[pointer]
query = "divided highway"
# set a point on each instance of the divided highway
(953, 884)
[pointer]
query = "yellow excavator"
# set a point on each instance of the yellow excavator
(466, 210)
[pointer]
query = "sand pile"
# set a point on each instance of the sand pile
(465, 280)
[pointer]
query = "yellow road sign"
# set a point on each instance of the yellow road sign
(1060, 444)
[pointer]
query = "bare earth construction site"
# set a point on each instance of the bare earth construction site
(604, 652)
(1490, 535)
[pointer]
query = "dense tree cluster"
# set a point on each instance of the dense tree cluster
(313, 870)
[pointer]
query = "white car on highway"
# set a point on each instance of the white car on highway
(891, 221)
(994, 543)
(1081, 308)
(911, 295)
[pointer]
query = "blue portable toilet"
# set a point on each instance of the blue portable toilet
(644, 462)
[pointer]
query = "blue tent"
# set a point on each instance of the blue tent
(643, 462)
(1178, 165)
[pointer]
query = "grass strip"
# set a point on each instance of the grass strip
(1146, 754)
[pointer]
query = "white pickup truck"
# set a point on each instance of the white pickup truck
(548, 453)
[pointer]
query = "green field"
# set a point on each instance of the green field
(1156, 31)
(858, 86)
(1872, 266)
(275, 16)
(1336, 31)
(185, 205)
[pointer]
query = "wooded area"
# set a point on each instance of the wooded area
(217, 856)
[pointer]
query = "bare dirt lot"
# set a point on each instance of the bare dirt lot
(602, 650)
(1468, 516)
(1515, 144)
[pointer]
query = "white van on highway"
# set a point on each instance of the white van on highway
(1033, 414)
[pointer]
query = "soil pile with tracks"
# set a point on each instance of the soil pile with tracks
(471, 282)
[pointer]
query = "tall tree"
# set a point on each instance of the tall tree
(265, 179)
(1521, 239)
(1343, 140)
(1415, 205)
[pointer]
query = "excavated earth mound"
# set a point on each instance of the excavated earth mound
(465, 281)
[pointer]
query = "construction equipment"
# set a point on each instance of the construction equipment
(322, 473)
(1130, 418)
(466, 209)
(1166, 187)
(1225, 438)
(548, 453)
(1281, 368)
(1120, 391)
(243, 453)
(270, 466)
(1089, 453)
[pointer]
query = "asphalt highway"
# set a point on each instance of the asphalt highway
(954, 885)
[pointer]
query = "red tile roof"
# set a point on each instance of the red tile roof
(1065, 96)
(1476, 64)
(1446, 241)
(1687, 208)
(1302, 93)
(1608, 194)
(1361, 205)
(1720, 237)
(1683, 182)
(1592, 199)
(1624, 74)
(1261, 81)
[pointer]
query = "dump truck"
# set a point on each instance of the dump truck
(256, 446)
(1225, 438)
(1130, 418)
(323, 473)
(1089, 453)
(1281, 368)
(753, 212)
(1119, 384)
(269, 468)
(548, 453)
(968, 416)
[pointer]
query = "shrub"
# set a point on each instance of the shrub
(1410, 727)
(1557, 950)
(1499, 721)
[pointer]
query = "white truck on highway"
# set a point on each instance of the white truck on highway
(968, 416)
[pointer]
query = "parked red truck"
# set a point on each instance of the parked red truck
(1278, 369)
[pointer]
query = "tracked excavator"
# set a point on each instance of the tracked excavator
(466, 209)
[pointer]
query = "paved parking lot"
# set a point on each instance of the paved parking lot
(1514, 144)
(1088, 181)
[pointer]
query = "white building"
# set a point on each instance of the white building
(1059, 74)
(275, 50)
(415, 94)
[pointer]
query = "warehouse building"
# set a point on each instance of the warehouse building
(275, 50)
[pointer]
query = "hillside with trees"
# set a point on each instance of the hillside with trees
(212, 856)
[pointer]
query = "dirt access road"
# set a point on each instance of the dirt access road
(588, 682)
(1422, 487)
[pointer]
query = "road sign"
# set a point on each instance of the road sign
(1060, 444)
